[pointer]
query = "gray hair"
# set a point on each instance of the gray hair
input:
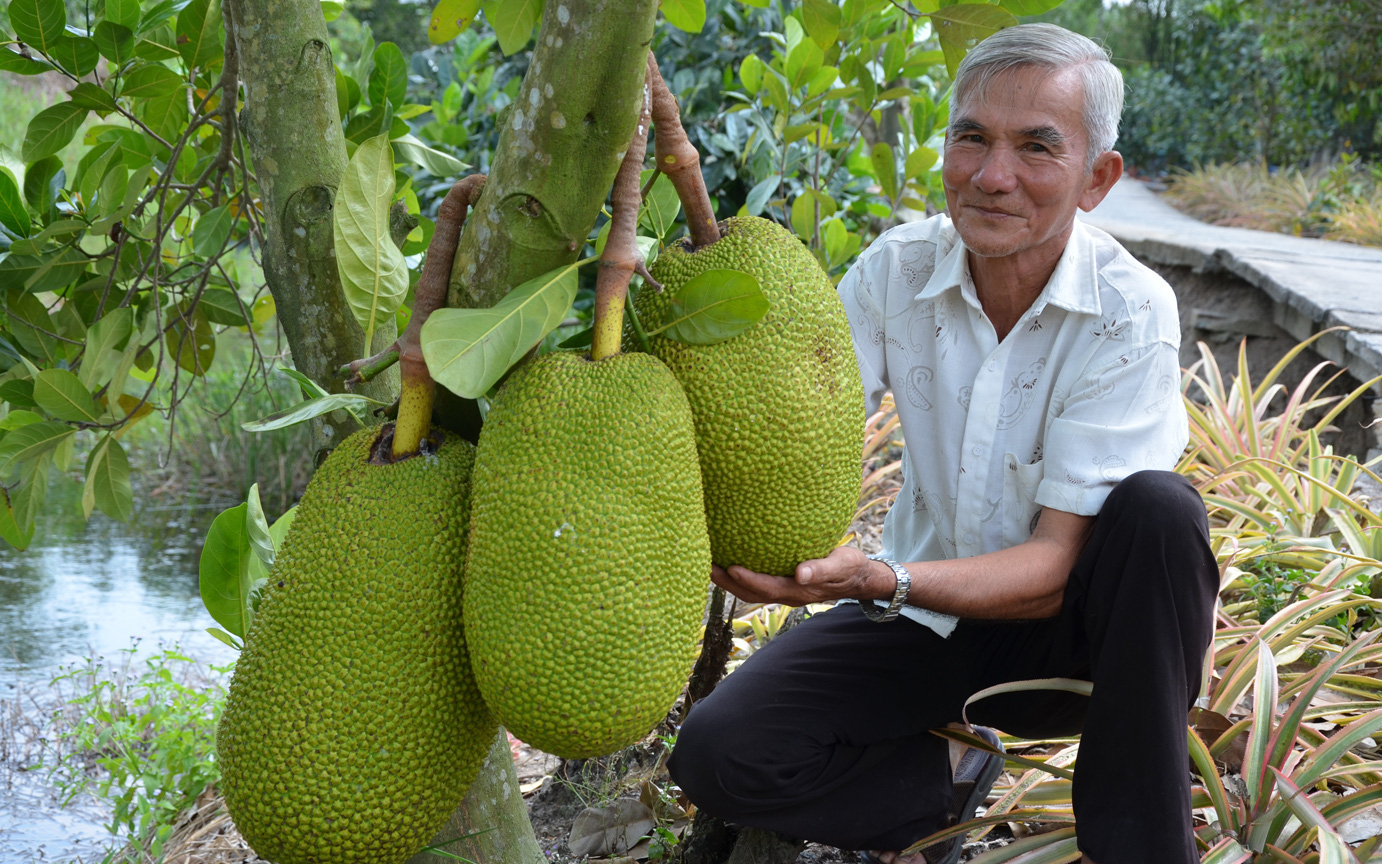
(1054, 49)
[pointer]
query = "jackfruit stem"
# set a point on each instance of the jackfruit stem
(419, 390)
(677, 158)
(620, 257)
(357, 372)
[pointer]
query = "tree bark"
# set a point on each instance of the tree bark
(293, 127)
(560, 147)
(493, 819)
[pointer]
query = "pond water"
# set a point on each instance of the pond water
(86, 590)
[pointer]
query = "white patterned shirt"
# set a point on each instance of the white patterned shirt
(1083, 391)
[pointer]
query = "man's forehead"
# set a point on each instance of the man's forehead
(1031, 89)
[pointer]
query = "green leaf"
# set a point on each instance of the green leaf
(123, 12)
(199, 24)
(13, 61)
(715, 306)
(114, 41)
(77, 54)
(804, 61)
(332, 9)
(19, 393)
(885, 168)
(758, 196)
(108, 481)
(157, 43)
(223, 636)
(151, 79)
(1029, 7)
(19, 417)
(40, 178)
(31, 325)
(225, 580)
(374, 276)
(310, 389)
(222, 306)
(30, 442)
(688, 15)
(106, 335)
(468, 350)
(62, 395)
(304, 411)
(257, 527)
(822, 20)
(40, 23)
(259, 569)
(9, 526)
(389, 80)
(661, 207)
(166, 114)
(439, 164)
(52, 129)
(919, 161)
(88, 95)
(751, 72)
(449, 18)
(961, 27)
(55, 269)
(513, 21)
(13, 214)
(189, 339)
(212, 231)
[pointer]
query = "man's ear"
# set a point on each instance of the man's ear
(1106, 171)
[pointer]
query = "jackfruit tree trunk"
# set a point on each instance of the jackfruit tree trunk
(297, 148)
(559, 149)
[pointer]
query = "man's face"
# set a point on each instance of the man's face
(1014, 169)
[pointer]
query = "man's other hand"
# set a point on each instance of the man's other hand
(844, 573)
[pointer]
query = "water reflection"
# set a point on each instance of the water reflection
(87, 589)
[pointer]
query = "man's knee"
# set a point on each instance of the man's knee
(1158, 498)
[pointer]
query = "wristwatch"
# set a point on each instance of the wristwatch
(904, 585)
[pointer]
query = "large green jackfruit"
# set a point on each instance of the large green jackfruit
(353, 725)
(779, 409)
(589, 563)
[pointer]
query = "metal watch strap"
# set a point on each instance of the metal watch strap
(904, 585)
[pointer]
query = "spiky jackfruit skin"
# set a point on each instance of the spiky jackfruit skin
(779, 409)
(353, 725)
(589, 562)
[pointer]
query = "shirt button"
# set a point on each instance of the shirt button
(993, 364)
(969, 538)
(978, 451)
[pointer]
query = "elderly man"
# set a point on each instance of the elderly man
(1034, 365)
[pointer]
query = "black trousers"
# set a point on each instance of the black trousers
(823, 733)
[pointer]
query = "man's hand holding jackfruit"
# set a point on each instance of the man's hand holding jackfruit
(844, 573)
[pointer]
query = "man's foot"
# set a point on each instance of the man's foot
(974, 776)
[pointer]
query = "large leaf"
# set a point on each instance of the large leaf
(13, 214)
(199, 32)
(304, 411)
(52, 129)
(123, 12)
(468, 350)
(31, 325)
(389, 80)
(13, 61)
(39, 23)
(10, 530)
(688, 15)
(108, 481)
(961, 27)
(449, 18)
(62, 395)
(30, 442)
(102, 338)
(660, 208)
(374, 276)
(212, 230)
(225, 582)
(151, 79)
(77, 54)
(222, 306)
(715, 306)
(822, 20)
(88, 95)
(513, 21)
(259, 570)
(115, 42)
(410, 149)
(190, 340)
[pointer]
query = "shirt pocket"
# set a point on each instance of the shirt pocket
(1020, 482)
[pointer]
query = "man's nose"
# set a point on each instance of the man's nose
(996, 175)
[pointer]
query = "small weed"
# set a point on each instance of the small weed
(143, 741)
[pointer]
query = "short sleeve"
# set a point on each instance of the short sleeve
(862, 291)
(1123, 416)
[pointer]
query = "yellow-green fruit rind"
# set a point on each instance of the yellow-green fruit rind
(589, 561)
(353, 725)
(779, 409)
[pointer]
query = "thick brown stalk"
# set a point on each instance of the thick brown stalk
(678, 159)
(620, 256)
(419, 390)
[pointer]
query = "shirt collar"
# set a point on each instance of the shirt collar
(1074, 284)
